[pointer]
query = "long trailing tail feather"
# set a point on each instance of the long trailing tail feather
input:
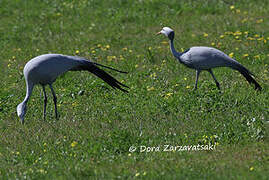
(109, 68)
(248, 75)
(250, 79)
(91, 67)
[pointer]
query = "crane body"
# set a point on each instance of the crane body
(45, 69)
(203, 58)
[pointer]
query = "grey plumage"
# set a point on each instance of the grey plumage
(44, 70)
(205, 58)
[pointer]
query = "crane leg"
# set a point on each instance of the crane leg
(54, 100)
(45, 102)
(217, 83)
(197, 77)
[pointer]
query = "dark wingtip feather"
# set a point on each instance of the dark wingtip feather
(109, 68)
(91, 67)
(258, 87)
(247, 74)
(250, 79)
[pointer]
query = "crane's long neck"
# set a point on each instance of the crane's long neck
(29, 89)
(173, 50)
(22, 107)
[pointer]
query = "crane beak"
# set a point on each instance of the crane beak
(158, 33)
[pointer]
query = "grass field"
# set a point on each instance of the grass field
(97, 128)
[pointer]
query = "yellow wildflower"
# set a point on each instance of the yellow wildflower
(244, 20)
(42, 171)
(257, 56)
(245, 55)
(137, 174)
(110, 58)
(107, 46)
(153, 75)
(228, 32)
(188, 87)
(164, 42)
(125, 49)
(121, 57)
(77, 51)
(232, 7)
(222, 36)
(259, 21)
(205, 35)
(251, 168)
(74, 143)
(150, 88)
(231, 54)
(168, 95)
(237, 33)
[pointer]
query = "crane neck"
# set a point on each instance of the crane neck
(173, 50)
(29, 89)
(22, 107)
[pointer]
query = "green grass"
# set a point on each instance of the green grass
(92, 137)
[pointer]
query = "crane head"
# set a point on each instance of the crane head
(21, 110)
(167, 32)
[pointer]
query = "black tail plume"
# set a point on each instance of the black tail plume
(247, 74)
(109, 68)
(91, 67)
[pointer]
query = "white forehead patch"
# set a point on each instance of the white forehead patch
(167, 29)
